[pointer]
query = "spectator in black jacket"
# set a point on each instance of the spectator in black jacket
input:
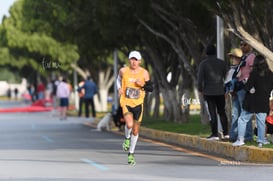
(211, 74)
(258, 88)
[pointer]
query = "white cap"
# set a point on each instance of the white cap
(135, 54)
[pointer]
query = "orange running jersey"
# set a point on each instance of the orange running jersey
(132, 94)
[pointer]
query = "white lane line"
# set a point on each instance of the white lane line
(49, 140)
(94, 164)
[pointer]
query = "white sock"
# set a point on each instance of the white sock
(133, 143)
(127, 132)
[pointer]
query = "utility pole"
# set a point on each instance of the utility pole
(75, 80)
(220, 55)
(115, 100)
(220, 38)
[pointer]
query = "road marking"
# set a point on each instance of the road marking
(47, 139)
(178, 148)
(92, 163)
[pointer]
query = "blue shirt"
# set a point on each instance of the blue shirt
(90, 89)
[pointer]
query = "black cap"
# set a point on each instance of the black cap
(211, 50)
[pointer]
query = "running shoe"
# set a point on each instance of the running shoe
(266, 142)
(238, 143)
(131, 159)
(126, 144)
(212, 137)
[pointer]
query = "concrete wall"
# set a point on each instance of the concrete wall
(4, 86)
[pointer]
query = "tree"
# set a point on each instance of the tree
(171, 36)
(185, 34)
(29, 49)
(94, 26)
(250, 21)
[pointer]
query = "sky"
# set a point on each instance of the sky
(4, 7)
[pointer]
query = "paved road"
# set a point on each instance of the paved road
(39, 147)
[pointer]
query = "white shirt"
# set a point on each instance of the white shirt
(63, 90)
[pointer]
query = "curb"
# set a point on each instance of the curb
(243, 153)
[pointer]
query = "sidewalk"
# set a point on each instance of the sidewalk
(251, 154)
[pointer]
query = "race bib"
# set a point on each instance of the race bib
(132, 93)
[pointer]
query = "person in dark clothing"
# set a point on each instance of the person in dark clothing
(81, 99)
(258, 88)
(90, 89)
(211, 74)
(9, 93)
(16, 93)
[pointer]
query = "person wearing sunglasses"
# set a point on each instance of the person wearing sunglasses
(242, 73)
